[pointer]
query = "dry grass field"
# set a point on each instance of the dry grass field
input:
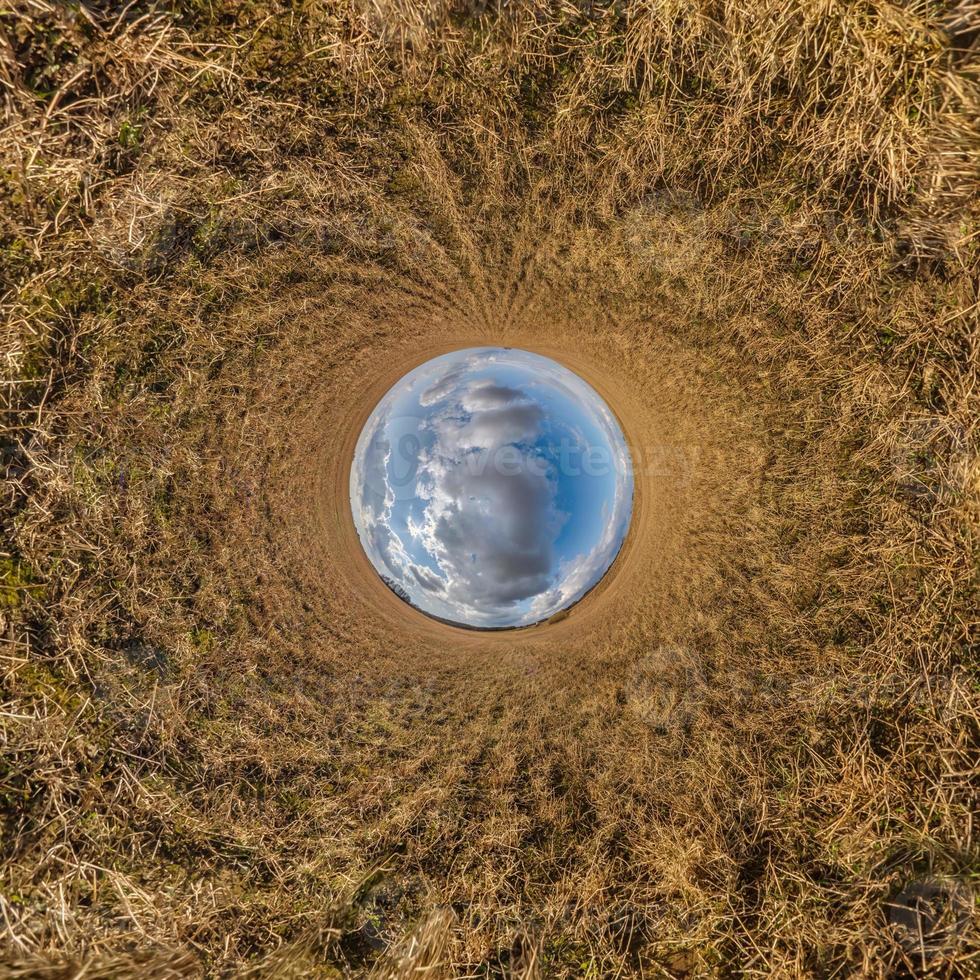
(228, 750)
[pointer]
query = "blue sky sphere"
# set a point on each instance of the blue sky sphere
(491, 487)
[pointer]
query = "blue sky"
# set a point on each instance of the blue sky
(494, 485)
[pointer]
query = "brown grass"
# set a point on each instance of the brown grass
(226, 225)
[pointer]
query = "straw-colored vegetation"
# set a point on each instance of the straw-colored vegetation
(222, 220)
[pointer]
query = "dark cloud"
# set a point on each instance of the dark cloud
(500, 427)
(492, 527)
(426, 578)
(487, 395)
(442, 388)
(374, 488)
(382, 541)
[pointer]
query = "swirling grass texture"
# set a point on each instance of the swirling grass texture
(228, 749)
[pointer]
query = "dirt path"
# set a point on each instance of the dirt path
(678, 443)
